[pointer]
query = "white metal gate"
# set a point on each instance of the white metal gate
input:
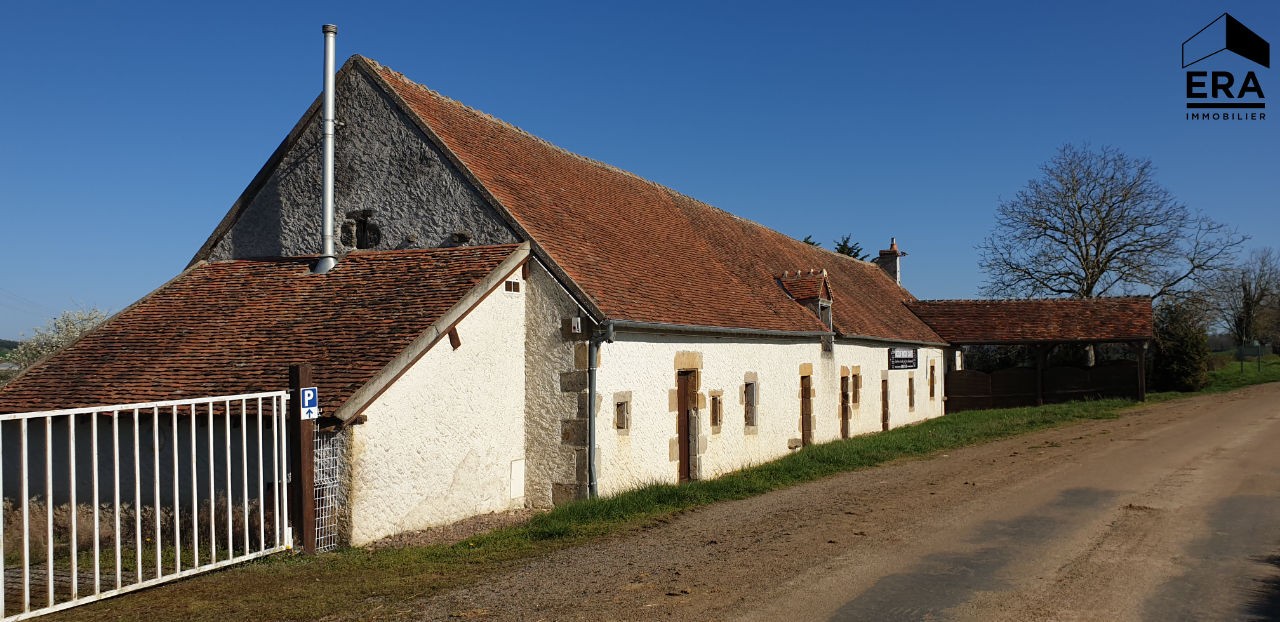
(106, 500)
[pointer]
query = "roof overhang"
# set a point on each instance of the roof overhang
(728, 331)
(723, 331)
(931, 344)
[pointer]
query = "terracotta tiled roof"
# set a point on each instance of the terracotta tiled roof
(1025, 321)
(806, 285)
(236, 326)
(645, 253)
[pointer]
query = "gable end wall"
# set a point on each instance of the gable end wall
(446, 441)
(383, 164)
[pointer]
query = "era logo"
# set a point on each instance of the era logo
(1219, 84)
(1218, 88)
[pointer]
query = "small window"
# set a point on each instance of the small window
(749, 403)
(359, 232)
(911, 392)
(717, 411)
(513, 286)
(845, 406)
(824, 312)
(622, 415)
(855, 388)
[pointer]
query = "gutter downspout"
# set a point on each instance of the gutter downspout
(327, 255)
(593, 353)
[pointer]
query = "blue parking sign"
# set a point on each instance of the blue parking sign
(310, 402)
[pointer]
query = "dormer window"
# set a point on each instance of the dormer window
(811, 289)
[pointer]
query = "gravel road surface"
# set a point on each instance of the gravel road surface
(1171, 512)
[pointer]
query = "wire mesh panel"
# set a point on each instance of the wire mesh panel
(329, 449)
(106, 500)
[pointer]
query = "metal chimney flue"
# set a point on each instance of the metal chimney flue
(327, 255)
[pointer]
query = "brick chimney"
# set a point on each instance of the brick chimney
(890, 260)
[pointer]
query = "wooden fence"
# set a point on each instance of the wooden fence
(1006, 388)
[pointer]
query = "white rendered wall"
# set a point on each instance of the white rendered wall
(446, 440)
(646, 366)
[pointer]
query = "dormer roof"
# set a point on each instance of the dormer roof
(807, 285)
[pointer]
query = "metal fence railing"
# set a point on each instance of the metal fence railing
(105, 500)
(328, 462)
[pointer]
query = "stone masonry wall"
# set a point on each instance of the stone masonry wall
(387, 172)
(555, 395)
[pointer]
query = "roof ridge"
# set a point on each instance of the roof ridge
(430, 249)
(365, 252)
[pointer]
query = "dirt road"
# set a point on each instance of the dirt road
(1171, 512)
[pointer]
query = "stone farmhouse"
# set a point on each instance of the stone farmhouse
(510, 324)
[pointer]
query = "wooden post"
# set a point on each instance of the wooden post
(1141, 347)
(1042, 355)
(302, 500)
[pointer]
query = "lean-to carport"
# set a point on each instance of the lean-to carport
(1042, 325)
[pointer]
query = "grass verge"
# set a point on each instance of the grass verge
(1232, 374)
(383, 581)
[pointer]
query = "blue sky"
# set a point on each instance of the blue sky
(128, 129)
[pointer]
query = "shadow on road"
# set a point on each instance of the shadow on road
(943, 580)
(1264, 602)
(1225, 576)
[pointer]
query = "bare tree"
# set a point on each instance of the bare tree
(1098, 223)
(1242, 296)
(1270, 324)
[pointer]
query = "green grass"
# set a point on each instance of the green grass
(302, 587)
(596, 516)
(1230, 375)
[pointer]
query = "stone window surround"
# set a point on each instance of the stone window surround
(622, 412)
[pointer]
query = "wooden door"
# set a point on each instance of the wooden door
(884, 404)
(806, 410)
(844, 407)
(684, 413)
